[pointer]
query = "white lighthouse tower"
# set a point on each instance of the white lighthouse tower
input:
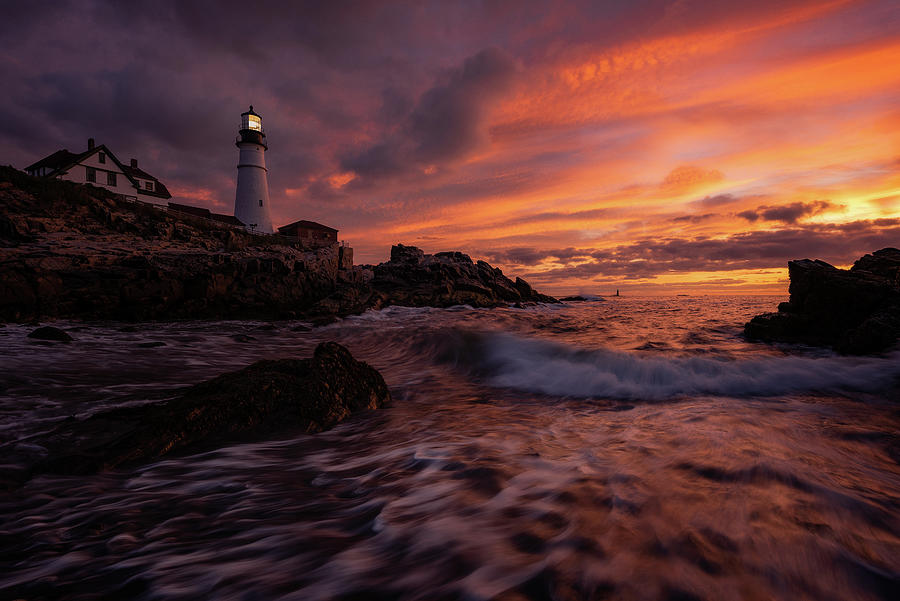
(251, 202)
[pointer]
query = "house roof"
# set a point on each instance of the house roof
(159, 188)
(62, 160)
(57, 160)
(310, 225)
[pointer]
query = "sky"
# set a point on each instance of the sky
(656, 147)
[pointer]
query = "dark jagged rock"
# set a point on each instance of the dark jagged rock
(410, 255)
(50, 333)
(412, 278)
(856, 311)
(573, 299)
(259, 401)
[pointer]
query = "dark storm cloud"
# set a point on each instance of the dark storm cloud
(396, 104)
(835, 243)
(447, 122)
(787, 213)
(339, 33)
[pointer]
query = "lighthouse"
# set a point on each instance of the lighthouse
(251, 201)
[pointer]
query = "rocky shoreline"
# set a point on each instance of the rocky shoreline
(855, 311)
(75, 251)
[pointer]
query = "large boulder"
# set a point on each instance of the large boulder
(856, 311)
(262, 400)
(50, 333)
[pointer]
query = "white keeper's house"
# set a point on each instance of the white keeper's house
(100, 167)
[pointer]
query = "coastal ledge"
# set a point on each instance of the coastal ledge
(76, 251)
(256, 403)
(855, 311)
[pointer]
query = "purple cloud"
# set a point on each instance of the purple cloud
(787, 213)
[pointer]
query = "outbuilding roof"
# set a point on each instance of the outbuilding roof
(229, 219)
(310, 225)
(205, 213)
(198, 211)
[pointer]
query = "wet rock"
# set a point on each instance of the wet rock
(50, 333)
(257, 402)
(856, 311)
(573, 299)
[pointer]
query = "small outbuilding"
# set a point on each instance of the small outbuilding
(310, 234)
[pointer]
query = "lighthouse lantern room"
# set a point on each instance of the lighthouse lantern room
(251, 202)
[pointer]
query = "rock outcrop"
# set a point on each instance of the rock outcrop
(262, 400)
(68, 250)
(856, 311)
(412, 278)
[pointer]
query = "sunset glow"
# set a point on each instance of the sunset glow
(665, 148)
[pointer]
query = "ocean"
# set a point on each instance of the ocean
(619, 448)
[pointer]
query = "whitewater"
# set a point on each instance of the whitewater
(621, 448)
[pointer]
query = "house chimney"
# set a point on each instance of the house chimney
(90, 143)
(134, 163)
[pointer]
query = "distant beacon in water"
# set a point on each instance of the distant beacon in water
(251, 202)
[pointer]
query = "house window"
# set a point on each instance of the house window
(102, 157)
(91, 175)
(260, 202)
(148, 186)
(110, 178)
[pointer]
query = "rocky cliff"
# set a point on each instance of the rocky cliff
(856, 311)
(68, 250)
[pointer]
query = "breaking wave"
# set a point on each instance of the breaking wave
(534, 365)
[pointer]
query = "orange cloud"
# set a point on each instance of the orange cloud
(690, 177)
